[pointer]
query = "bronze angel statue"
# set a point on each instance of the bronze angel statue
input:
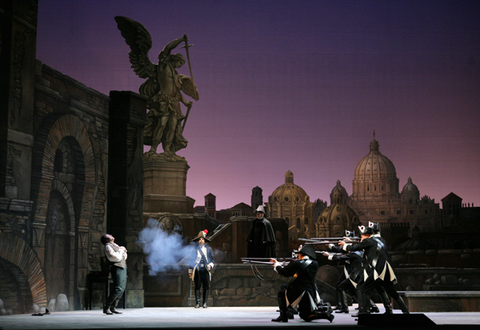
(163, 88)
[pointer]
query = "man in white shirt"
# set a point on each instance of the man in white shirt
(117, 255)
(203, 265)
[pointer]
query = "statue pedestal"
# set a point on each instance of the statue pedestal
(164, 187)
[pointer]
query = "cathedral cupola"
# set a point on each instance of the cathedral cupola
(375, 176)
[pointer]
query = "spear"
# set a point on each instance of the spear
(187, 46)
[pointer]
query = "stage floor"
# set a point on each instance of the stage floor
(211, 318)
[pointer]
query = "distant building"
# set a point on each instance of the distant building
(338, 217)
(257, 197)
(239, 210)
(318, 207)
(451, 209)
(292, 203)
(460, 225)
(376, 195)
(211, 205)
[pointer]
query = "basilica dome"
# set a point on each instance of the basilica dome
(375, 175)
(289, 192)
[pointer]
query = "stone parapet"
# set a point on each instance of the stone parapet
(442, 301)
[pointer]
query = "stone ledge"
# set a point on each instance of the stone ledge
(442, 301)
(448, 294)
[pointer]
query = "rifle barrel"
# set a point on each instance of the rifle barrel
(257, 262)
(322, 238)
(259, 258)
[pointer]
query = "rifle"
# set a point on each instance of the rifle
(329, 240)
(332, 253)
(265, 261)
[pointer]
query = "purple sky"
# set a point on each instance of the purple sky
(299, 85)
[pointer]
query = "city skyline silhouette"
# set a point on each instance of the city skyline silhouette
(299, 86)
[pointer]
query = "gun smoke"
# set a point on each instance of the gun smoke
(164, 250)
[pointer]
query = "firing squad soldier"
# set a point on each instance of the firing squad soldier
(377, 267)
(351, 277)
(302, 290)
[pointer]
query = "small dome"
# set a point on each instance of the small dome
(336, 219)
(339, 194)
(289, 192)
(410, 191)
(410, 188)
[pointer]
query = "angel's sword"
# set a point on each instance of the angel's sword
(187, 46)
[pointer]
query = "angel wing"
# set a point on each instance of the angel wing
(140, 42)
(189, 87)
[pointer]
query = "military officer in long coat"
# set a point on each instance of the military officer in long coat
(261, 237)
(203, 265)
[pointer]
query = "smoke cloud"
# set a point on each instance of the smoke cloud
(164, 250)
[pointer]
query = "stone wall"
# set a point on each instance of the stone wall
(54, 140)
(458, 258)
(241, 285)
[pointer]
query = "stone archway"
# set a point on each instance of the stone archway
(65, 134)
(16, 251)
(60, 234)
(64, 126)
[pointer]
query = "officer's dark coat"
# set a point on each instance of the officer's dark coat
(209, 257)
(257, 249)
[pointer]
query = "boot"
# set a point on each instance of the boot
(282, 318)
(115, 311)
(362, 299)
(113, 308)
(339, 301)
(290, 313)
(402, 305)
(373, 307)
(106, 310)
(197, 298)
(386, 302)
(205, 297)
(109, 303)
(342, 302)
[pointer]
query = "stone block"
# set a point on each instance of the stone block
(235, 283)
(227, 292)
(260, 290)
(244, 291)
(449, 279)
(62, 303)
(51, 305)
(134, 298)
(221, 284)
